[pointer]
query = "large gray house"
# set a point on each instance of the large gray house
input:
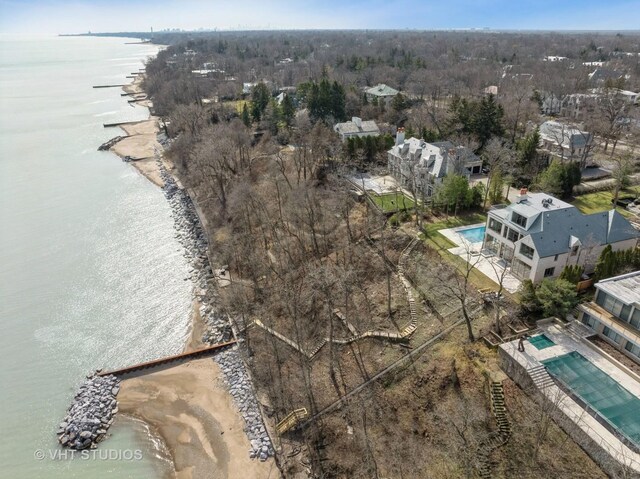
(538, 235)
(420, 166)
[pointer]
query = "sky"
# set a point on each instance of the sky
(80, 16)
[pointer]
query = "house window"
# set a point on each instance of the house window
(574, 250)
(512, 235)
(635, 319)
(589, 321)
(521, 269)
(612, 335)
(495, 225)
(555, 258)
(549, 272)
(626, 311)
(519, 219)
(526, 251)
(600, 298)
(633, 349)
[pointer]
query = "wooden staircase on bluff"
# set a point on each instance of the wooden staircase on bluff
(291, 420)
(498, 438)
(403, 335)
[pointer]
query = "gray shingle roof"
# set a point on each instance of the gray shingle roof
(350, 127)
(557, 228)
(382, 90)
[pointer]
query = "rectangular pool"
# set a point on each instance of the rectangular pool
(473, 235)
(541, 341)
(614, 403)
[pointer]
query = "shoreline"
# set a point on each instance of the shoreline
(189, 406)
(141, 140)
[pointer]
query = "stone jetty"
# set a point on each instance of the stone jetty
(91, 413)
(191, 235)
(108, 144)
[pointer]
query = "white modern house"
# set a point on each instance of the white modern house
(614, 313)
(420, 166)
(565, 142)
(382, 93)
(538, 235)
(356, 128)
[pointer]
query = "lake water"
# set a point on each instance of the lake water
(90, 272)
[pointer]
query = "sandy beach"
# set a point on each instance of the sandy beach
(190, 408)
(141, 142)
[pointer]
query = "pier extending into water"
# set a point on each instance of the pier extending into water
(109, 86)
(109, 125)
(199, 353)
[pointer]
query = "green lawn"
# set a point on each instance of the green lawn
(391, 202)
(601, 201)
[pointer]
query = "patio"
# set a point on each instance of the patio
(483, 260)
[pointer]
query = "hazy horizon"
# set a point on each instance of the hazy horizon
(99, 16)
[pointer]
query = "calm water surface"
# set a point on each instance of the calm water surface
(90, 272)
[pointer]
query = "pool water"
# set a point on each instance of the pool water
(614, 403)
(473, 235)
(541, 341)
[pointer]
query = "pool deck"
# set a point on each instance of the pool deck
(567, 340)
(490, 266)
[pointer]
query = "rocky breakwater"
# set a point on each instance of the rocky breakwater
(92, 412)
(190, 233)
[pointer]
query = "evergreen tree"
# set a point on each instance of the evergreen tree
(260, 97)
(338, 102)
(572, 177)
(487, 121)
(572, 273)
(288, 110)
(529, 303)
(398, 103)
(556, 297)
(605, 266)
(246, 118)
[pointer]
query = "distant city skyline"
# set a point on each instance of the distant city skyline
(80, 16)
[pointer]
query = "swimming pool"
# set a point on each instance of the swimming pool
(541, 341)
(473, 235)
(597, 389)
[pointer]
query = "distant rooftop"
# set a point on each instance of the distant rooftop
(382, 90)
(563, 134)
(625, 287)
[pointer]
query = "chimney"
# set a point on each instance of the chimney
(400, 136)
(523, 195)
(357, 121)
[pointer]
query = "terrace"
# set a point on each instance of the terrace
(469, 240)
